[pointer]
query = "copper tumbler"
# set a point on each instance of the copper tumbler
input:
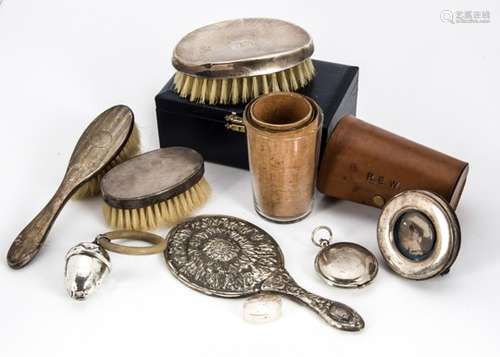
(283, 137)
(369, 165)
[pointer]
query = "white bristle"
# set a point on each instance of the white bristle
(179, 80)
(310, 66)
(235, 91)
(300, 75)
(245, 90)
(293, 81)
(275, 87)
(213, 91)
(204, 91)
(283, 82)
(195, 90)
(265, 85)
(241, 90)
(307, 73)
(186, 87)
(224, 91)
(255, 87)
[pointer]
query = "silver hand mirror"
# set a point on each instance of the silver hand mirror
(343, 264)
(228, 257)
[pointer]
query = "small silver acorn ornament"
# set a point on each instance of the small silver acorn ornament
(87, 264)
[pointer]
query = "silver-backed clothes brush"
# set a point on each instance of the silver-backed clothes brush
(234, 61)
(160, 187)
(100, 144)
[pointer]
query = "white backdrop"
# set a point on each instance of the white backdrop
(63, 62)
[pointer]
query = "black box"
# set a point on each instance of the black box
(203, 127)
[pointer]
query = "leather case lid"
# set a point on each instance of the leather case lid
(369, 165)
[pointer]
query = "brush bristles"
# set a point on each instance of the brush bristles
(165, 213)
(92, 187)
(241, 90)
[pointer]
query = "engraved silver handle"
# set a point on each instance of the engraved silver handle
(334, 313)
(97, 147)
(30, 240)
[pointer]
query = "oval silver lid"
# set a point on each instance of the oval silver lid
(152, 177)
(241, 48)
(429, 245)
(346, 265)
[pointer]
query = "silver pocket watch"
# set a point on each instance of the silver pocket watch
(343, 264)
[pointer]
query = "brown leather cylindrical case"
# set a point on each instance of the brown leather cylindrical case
(369, 165)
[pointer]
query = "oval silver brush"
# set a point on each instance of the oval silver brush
(234, 61)
(160, 187)
(99, 145)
